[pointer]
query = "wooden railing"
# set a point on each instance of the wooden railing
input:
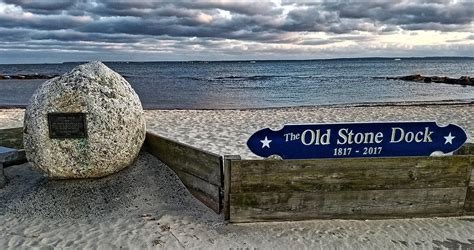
(274, 190)
(271, 190)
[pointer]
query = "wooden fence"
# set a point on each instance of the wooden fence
(200, 171)
(275, 190)
(269, 190)
(363, 188)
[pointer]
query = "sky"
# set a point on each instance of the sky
(48, 31)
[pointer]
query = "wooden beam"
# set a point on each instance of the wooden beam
(185, 158)
(227, 182)
(204, 191)
(402, 187)
(466, 149)
(469, 204)
(349, 174)
(363, 204)
(12, 137)
(200, 171)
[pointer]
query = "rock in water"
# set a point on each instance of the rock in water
(114, 119)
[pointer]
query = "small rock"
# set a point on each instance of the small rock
(27, 77)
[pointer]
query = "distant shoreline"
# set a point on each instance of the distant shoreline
(349, 105)
(263, 60)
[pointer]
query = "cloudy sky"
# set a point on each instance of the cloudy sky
(37, 31)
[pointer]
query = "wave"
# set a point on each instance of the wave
(244, 78)
(249, 78)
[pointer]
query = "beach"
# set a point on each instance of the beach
(146, 205)
(225, 132)
(219, 124)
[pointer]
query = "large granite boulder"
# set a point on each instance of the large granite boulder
(107, 110)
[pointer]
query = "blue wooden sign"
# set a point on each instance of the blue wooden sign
(346, 140)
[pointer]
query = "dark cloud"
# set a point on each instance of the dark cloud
(67, 36)
(211, 24)
(202, 18)
(43, 6)
(42, 23)
(250, 8)
(435, 26)
(346, 16)
(406, 13)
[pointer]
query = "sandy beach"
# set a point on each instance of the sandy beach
(226, 132)
(146, 206)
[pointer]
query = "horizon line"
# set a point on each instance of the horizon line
(258, 60)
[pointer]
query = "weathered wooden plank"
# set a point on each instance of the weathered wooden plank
(227, 181)
(204, 191)
(18, 157)
(350, 175)
(11, 137)
(200, 171)
(185, 158)
(469, 203)
(366, 204)
(3, 180)
(466, 149)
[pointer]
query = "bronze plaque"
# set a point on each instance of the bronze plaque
(67, 125)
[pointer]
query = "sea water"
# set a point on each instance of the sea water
(263, 84)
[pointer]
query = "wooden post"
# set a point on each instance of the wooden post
(468, 149)
(227, 164)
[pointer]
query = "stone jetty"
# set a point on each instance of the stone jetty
(463, 80)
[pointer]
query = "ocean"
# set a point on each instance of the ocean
(265, 84)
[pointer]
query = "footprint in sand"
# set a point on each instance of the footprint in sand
(364, 239)
(274, 230)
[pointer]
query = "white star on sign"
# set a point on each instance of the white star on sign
(266, 142)
(449, 139)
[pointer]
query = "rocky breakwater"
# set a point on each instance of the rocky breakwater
(84, 124)
(463, 80)
(26, 77)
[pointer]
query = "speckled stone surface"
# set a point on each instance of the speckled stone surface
(115, 123)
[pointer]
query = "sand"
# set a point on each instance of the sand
(146, 206)
(226, 131)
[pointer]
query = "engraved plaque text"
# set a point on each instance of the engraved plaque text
(67, 125)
